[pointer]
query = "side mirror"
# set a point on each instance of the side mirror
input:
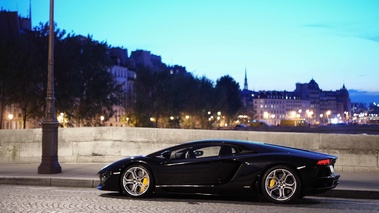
(166, 154)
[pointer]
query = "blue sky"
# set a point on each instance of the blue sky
(279, 42)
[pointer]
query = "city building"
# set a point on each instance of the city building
(12, 25)
(145, 58)
(274, 106)
(307, 103)
(125, 77)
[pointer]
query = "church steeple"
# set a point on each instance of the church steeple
(30, 13)
(245, 87)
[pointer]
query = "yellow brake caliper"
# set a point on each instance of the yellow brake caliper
(272, 183)
(145, 183)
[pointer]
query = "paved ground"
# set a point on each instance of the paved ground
(363, 185)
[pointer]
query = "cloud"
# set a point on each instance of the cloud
(348, 30)
(372, 38)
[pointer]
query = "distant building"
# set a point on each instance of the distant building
(119, 56)
(327, 105)
(307, 102)
(177, 69)
(12, 25)
(273, 106)
(125, 77)
(145, 58)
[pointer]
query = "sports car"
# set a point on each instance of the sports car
(280, 174)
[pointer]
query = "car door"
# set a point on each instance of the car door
(229, 164)
(193, 165)
(199, 165)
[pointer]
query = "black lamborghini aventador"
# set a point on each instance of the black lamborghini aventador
(281, 174)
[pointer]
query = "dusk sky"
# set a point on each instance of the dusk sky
(278, 42)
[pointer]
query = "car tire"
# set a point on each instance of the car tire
(137, 181)
(281, 184)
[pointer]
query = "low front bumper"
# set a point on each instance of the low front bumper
(109, 181)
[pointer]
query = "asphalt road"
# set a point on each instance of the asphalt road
(17, 198)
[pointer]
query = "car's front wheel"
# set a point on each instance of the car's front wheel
(281, 184)
(137, 181)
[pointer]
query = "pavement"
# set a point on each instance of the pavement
(357, 185)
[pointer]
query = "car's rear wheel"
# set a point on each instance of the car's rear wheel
(281, 184)
(137, 181)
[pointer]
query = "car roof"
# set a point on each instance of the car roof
(256, 147)
(241, 143)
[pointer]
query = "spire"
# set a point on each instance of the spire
(245, 87)
(30, 13)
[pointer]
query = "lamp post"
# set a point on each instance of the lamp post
(327, 115)
(49, 163)
(10, 117)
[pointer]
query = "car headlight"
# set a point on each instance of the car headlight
(104, 176)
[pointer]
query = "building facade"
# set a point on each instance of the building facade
(307, 102)
(274, 106)
(145, 58)
(125, 77)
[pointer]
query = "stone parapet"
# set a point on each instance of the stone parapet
(106, 144)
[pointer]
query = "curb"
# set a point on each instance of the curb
(93, 183)
(56, 182)
(351, 193)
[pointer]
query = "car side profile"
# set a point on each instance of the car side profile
(280, 174)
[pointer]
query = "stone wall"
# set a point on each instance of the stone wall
(107, 144)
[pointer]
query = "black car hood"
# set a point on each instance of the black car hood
(118, 165)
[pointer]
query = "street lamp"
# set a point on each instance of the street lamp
(265, 115)
(10, 117)
(49, 163)
(309, 113)
(327, 115)
(102, 118)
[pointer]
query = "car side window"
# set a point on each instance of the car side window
(208, 151)
(179, 154)
(227, 150)
(202, 152)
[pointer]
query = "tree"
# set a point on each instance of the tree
(6, 51)
(144, 89)
(200, 103)
(26, 73)
(86, 90)
(228, 99)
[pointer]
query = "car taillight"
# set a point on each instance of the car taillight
(323, 162)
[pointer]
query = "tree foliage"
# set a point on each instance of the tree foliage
(84, 87)
(228, 96)
(182, 100)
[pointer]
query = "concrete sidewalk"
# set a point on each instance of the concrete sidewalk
(362, 185)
